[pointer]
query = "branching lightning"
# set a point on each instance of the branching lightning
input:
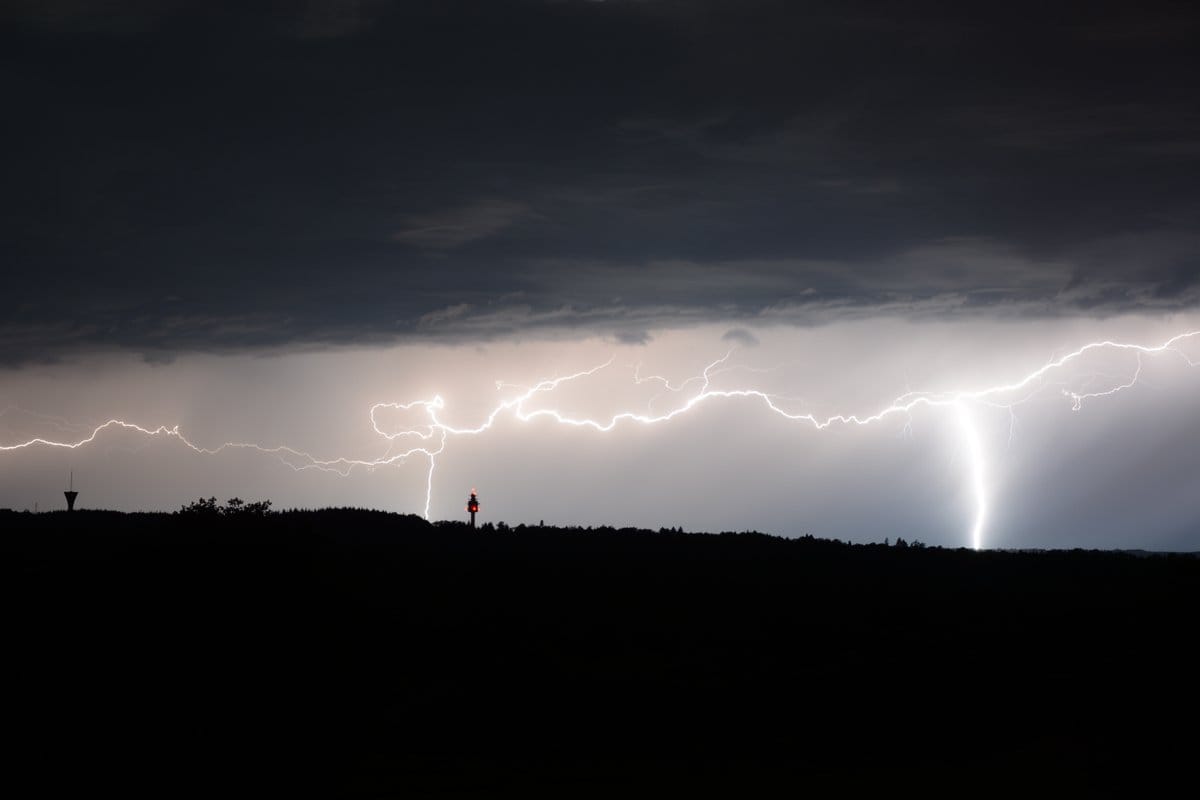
(429, 440)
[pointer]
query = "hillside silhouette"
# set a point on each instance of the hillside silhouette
(359, 653)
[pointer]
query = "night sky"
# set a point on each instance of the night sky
(256, 221)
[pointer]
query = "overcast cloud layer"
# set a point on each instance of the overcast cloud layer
(180, 177)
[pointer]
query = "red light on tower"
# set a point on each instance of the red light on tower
(473, 506)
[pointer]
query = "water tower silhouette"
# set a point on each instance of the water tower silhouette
(473, 506)
(70, 493)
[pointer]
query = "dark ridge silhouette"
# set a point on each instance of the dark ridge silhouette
(358, 653)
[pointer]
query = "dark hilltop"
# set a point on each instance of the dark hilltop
(358, 653)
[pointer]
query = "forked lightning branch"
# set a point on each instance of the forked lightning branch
(430, 438)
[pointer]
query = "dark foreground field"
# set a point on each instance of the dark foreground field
(341, 653)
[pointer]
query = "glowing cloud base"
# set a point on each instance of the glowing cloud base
(430, 439)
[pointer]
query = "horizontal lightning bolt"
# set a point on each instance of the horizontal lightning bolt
(429, 439)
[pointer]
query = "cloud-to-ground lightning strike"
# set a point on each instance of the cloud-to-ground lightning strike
(429, 439)
(975, 455)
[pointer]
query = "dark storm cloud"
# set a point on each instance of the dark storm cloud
(450, 229)
(633, 337)
(740, 336)
(182, 177)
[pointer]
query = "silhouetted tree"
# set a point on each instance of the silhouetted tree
(257, 509)
(202, 507)
(234, 507)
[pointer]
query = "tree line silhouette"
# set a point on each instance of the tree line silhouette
(355, 652)
(235, 506)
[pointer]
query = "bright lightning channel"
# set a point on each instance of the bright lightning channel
(429, 440)
(978, 485)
